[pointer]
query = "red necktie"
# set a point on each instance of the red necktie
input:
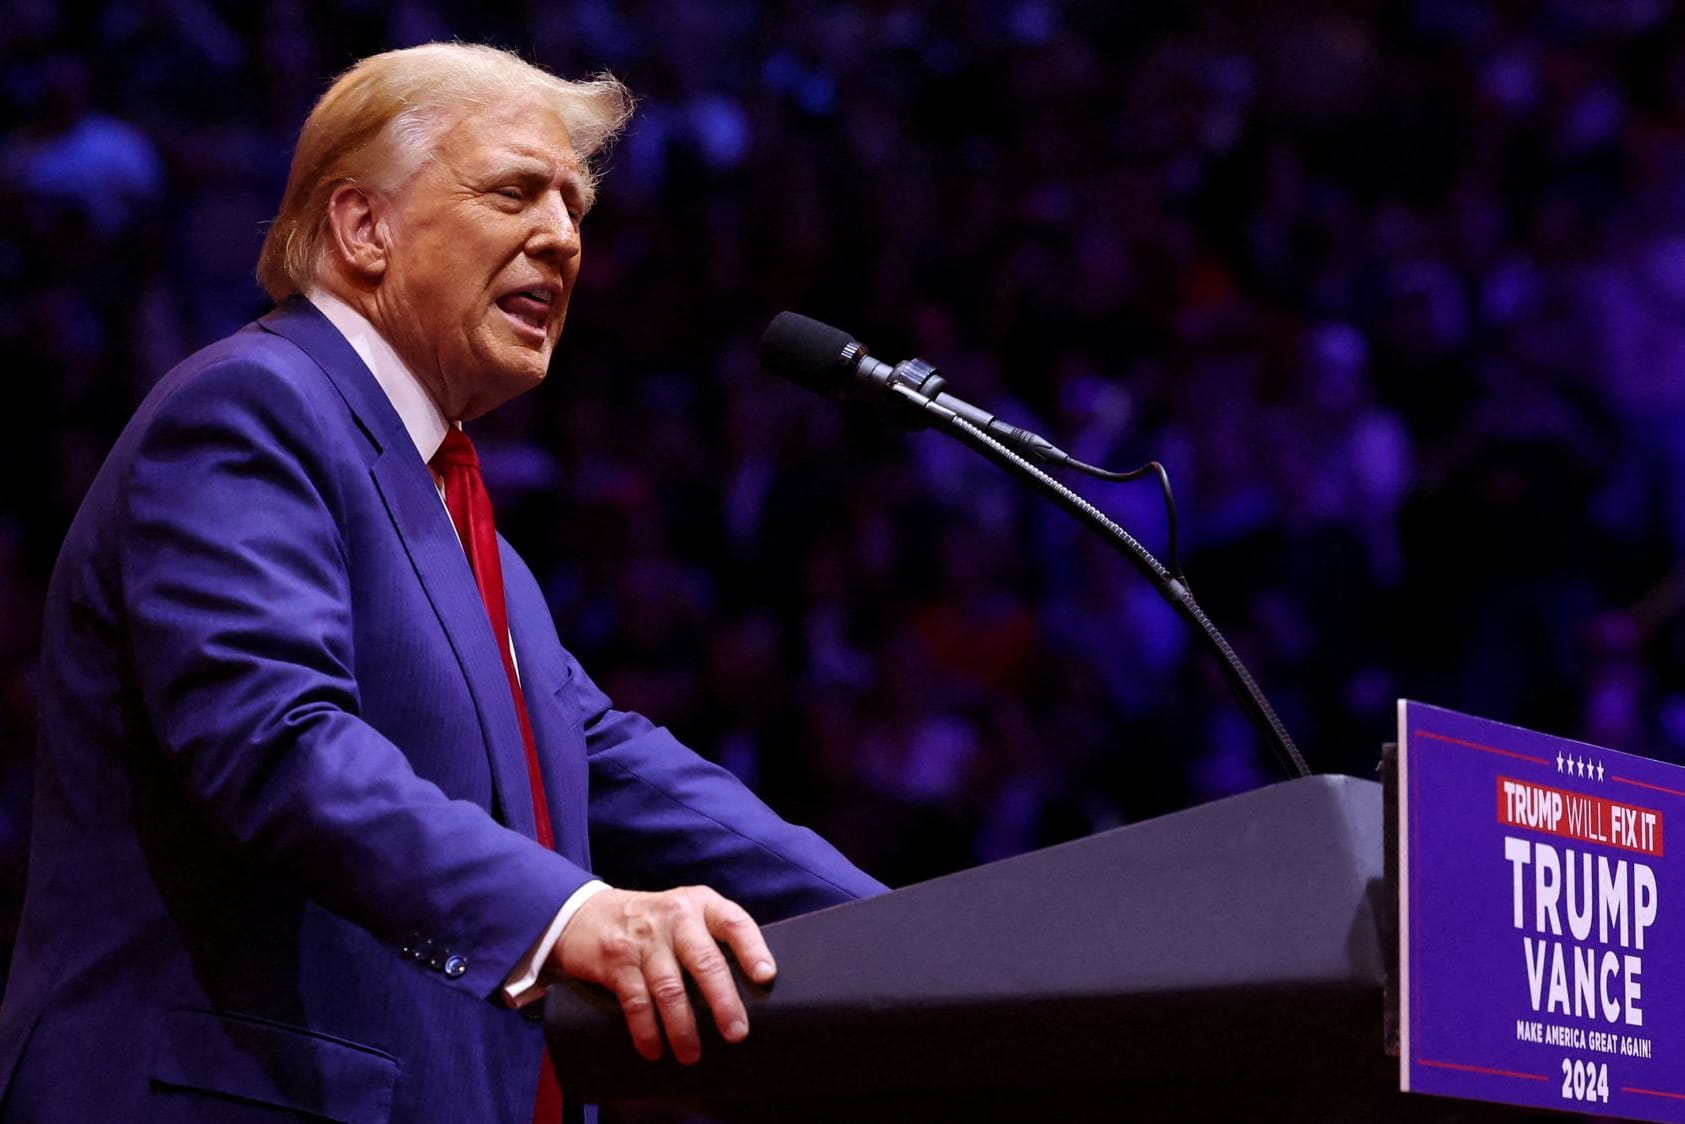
(470, 509)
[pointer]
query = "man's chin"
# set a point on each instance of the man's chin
(496, 387)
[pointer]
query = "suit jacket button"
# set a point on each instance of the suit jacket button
(455, 967)
(533, 1012)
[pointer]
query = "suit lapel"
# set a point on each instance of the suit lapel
(412, 503)
(544, 674)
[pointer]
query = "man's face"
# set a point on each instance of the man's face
(483, 249)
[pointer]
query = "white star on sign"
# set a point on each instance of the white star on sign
(1559, 760)
(1579, 766)
(1600, 770)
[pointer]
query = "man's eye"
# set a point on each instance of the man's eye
(510, 193)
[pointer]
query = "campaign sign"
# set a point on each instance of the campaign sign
(1541, 920)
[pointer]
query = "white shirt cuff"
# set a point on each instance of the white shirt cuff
(521, 986)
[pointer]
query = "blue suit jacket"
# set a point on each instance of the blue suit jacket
(283, 847)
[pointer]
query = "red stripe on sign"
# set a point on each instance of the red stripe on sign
(1482, 748)
(1652, 1092)
(1415, 907)
(1483, 1069)
(1643, 784)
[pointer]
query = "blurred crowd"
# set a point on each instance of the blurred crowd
(1394, 288)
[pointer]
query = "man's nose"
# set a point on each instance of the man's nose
(554, 233)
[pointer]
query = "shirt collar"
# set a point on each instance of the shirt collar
(422, 418)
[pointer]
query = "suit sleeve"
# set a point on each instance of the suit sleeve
(237, 597)
(663, 816)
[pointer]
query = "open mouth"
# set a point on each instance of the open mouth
(529, 308)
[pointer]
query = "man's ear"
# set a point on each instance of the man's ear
(358, 232)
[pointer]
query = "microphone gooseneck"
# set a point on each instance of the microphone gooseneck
(829, 361)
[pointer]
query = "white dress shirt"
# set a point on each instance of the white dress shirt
(427, 426)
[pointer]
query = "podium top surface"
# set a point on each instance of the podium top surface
(1272, 895)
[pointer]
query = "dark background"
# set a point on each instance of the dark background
(1396, 290)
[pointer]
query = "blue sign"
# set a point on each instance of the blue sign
(1542, 920)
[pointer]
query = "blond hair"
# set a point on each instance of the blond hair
(379, 120)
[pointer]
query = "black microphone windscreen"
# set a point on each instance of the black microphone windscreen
(806, 352)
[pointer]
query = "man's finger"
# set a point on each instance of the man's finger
(667, 987)
(707, 965)
(731, 923)
(639, 1011)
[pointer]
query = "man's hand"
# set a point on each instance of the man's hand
(640, 945)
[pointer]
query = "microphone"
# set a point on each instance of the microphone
(830, 362)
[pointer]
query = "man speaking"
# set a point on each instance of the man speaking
(321, 798)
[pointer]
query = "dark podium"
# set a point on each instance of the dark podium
(1226, 962)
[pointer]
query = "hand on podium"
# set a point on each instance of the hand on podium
(640, 945)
